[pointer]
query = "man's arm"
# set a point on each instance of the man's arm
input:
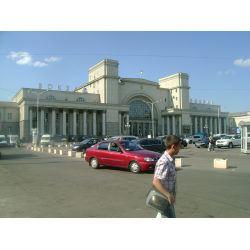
(163, 190)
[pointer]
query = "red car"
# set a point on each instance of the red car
(123, 154)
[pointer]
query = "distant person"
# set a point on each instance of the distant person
(165, 174)
(26, 140)
(211, 144)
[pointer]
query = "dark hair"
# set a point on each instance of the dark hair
(172, 139)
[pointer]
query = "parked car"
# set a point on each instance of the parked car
(47, 140)
(162, 137)
(123, 154)
(3, 140)
(229, 141)
(124, 137)
(183, 143)
(193, 139)
(151, 144)
(82, 146)
(12, 140)
(203, 143)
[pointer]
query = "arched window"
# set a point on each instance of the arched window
(139, 109)
(50, 97)
(80, 99)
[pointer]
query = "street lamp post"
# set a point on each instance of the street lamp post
(152, 103)
(127, 126)
(219, 127)
(206, 127)
(37, 116)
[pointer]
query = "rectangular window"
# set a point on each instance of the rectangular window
(176, 90)
(9, 116)
(176, 98)
(46, 117)
(165, 99)
(67, 118)
(57, 117)
(57, 130)
(76, 117)
(67, 130)
(177, 106)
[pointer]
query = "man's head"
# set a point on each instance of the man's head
(173, 144)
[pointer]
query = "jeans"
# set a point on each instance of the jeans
(169, 213)
(211, 147)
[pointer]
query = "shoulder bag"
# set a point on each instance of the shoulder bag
(157, 200)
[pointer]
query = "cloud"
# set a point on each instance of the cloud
(242, 63)
(53, 59)
(230, 71)
(25, 58)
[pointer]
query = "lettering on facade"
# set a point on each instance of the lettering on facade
(201, 102)
(50, 87)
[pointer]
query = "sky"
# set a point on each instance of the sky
(218, 63)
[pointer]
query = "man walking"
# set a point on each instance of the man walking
(165, 174)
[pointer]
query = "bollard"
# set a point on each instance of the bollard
(220, 163)
(71, 153)
(79, 155)
(178, 162)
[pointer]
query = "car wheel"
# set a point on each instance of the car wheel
(218, 147)
(230, 145)
(182, 146)
(135, 167)
(190, 142)
(94, 163)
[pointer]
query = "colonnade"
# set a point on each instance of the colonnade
(66, 121)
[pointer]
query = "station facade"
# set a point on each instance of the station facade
(111, 105)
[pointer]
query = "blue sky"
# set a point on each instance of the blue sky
(218, 63)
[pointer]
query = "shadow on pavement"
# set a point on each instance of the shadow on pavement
(17, 156)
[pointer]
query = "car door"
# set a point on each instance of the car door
(144, 144)
(102, 153)
(156, 145)
(237, 140)
(115, 155)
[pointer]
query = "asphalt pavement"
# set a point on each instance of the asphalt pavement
(43, 185)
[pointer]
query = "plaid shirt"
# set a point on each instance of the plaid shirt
(166, 173)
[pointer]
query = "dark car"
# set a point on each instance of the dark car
(162, 137)
(151, 144)
(183, 143)
(81, 147)
(123, 154)
(205, 142)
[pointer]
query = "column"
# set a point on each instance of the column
(149, 128)
(168, 125)
(74, 122)
(180, 131)
(30, 121)
(103, 122)
(53, 122)
(201, 127)
(42, 122)
(84, 122)
(195, 124)
(211, 125)
(225, 125)
(162, 125)
(94, 122)
(191, 127)
(215, 125)
(220, 126)
(206, 130)
(64, 121)
(119, 122)
(173, 123)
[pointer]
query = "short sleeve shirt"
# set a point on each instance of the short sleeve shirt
(165, 171)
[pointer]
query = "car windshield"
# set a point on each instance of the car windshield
(227, 137)
(190, 136)
(130, 146)
(160, 137)
(86, 141)
(205, 140)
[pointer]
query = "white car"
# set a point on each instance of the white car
(193, 139)
(229, 141)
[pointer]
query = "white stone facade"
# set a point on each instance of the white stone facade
(107, 103)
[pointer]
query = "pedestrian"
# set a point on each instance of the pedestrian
(26, 140)
(211, 144)
(165, 174)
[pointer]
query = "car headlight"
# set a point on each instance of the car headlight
(76, 147)
(148, 159)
